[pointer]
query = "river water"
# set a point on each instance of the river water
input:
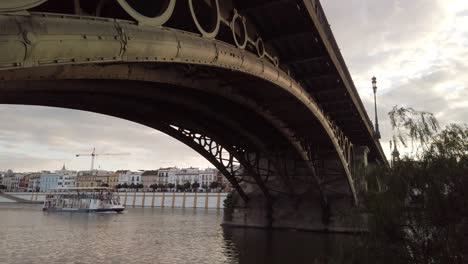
(159, 235)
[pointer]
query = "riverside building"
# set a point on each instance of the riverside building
(149, 178)
(48, 180)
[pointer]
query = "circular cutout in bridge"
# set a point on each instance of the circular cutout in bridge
(239, 31)
(149, 13)
(18, 5)
(206, 16)
(260, 47)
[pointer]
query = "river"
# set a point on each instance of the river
(158, 235)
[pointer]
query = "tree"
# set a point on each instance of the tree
(186, 185)
(180, 188)
(170, 185)
(162, 186)
(422, 211)
(118, 186)
(205, 187)
(132, 186)
(154, 186)
(451, 143)
(139, 186)
(195, 186)
(125, 185)
(2, 187)
(417, 126)
(104, 185)
(214, 185)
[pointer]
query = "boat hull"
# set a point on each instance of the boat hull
(84, 210)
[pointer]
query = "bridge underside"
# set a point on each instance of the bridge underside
(221, 115)
(272, 108)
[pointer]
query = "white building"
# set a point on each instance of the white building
(12, 181)
(129, 177)
(67, 178)
(187, 175)
(190, 175)
(168, 175)
(34, 184)
(207, 176)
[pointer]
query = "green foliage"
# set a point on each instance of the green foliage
(195, 185)
(170, 185)
(2, 187)
(214, 185)
(417, 126)
(154, 186)
(422, 214)
(451, 143)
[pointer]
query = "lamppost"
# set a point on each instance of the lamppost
(374, 87)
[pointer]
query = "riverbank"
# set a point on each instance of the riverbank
(139, 199)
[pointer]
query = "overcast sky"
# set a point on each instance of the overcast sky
(417, 49)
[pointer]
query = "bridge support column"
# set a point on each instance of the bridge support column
(304, 213)
(295, 201)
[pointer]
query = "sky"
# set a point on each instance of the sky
(417, 49)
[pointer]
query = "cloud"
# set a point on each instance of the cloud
(416, 49)
(30, 133)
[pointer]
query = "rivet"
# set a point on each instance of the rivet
(29, 37)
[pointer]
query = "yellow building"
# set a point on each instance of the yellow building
(110, 179)
(86, 179)
(96, 179)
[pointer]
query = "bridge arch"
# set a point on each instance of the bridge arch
(221, 65)
(180, 76)
(122, 42)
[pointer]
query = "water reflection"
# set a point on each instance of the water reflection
(284, 246)
(159, 235)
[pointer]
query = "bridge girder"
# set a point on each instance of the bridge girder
(38, 39)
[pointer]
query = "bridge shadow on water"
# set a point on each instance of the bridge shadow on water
(284, 246)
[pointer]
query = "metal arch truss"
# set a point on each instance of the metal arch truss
(121, 41)
(235, 22)
(232, 161)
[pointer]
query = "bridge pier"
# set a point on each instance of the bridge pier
(304, 213)
(304, 208)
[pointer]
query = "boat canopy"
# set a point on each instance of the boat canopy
(82, 189)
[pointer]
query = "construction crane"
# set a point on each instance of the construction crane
(94, 155)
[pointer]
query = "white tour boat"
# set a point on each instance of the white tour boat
(83, 199)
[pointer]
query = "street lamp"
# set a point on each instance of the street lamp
(374, 87)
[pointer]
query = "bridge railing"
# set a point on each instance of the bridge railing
(320, 13)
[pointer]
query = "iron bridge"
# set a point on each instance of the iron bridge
(259, 88)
